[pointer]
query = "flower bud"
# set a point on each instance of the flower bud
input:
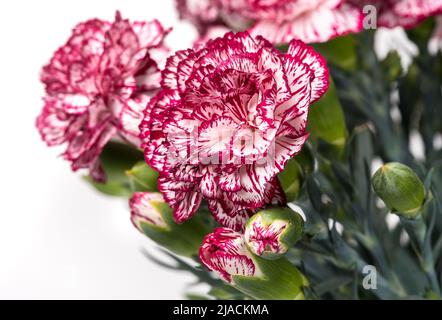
(146, 210)
(270, 233)
(400, 188)
(151, 215)
(224, 251)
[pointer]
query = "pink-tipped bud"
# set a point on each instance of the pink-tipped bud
(270, 233)
(145, 210)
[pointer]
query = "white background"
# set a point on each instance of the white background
(58, 238)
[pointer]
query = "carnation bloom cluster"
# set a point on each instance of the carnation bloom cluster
(227, 119)
(97, 86)
(278, 21)
(220, 121)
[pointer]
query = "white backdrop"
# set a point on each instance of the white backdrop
(58, 238)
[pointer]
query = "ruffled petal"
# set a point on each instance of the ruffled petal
(181, 196)
(301, 52)
(318, 25)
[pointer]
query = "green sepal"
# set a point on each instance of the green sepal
(291, 179)
(281, 280)
(326, 120)
(295, 172)
(143, 177)
(116, 159)
(340, 52)
(183, 239)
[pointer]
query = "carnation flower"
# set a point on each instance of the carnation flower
(228, 118)
(402, 13)
(97, 85)
(278, 21)
(224, 251)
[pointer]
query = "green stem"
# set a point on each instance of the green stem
(417, 229)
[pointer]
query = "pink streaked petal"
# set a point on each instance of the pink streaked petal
(418, 8)
(316, 63)
(75, 103)
(215, 137)
(318, 25)
(244, 86)
(286, 148)
(300, 84)
(227, 265)
(130, 118)
(169, 74)
(250, 180)
(53, 123)
(148, 78)
(181, 197)
(181, 136)
(150, 34)
(274, 193)
(228, 214)
(224, 251)
(187, 207)
(187, 173)
(84, 149)
(209, 185)
(230, 182)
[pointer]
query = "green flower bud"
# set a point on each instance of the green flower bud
(151, 215)
(400, 188)
(271, 232)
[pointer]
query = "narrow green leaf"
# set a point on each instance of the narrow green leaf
(116, 159)
(340, 51)
(326, 119)
(143, 177)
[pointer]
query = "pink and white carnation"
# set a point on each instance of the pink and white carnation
(401, 13)
(228, 118)
(224, 252)
(143, 209)
(279, 21)
(97, 86)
